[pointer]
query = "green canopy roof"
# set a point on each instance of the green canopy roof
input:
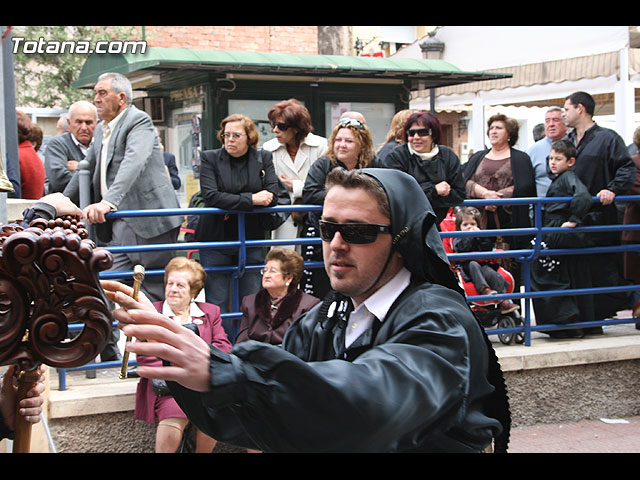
(431, 73)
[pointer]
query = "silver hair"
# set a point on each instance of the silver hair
(119, 84)
(83, 103)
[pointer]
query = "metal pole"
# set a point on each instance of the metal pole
(8, 129)
(84, 183)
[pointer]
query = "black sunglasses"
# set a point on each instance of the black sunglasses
(423, 132)
(352, 232)
(283, 127)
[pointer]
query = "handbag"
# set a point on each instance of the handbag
(160, 387)
(298, 217)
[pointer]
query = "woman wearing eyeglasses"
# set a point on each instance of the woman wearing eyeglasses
(183, 281)
(294, 149)
(267, 314)
(234, 177)
(435, 167)
(350, 147)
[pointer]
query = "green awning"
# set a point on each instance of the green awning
(429, 73)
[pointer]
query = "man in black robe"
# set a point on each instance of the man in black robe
(605, 167)
(392, 361)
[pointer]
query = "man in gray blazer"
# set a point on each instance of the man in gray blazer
(128, 173)
(64, 151)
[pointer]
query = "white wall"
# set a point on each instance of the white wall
(482, 48)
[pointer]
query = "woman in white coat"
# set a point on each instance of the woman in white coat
(294, 149)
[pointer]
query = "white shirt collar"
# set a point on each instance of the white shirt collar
(376, 305)
(81, 146)
(112, 124)
(194, 311)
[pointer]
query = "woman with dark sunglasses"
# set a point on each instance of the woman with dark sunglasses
(350, 147)
(436, 167)
(294, 150)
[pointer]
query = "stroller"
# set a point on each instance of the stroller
(487, 311)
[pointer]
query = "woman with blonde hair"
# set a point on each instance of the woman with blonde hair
(395, 135)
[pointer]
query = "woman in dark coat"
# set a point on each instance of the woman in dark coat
(234, 177)
(436, 167)
(267, 314)
(502, 172)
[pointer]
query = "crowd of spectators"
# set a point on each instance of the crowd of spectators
(130, 170)
(292, 166)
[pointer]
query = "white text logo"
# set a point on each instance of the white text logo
(76, 46)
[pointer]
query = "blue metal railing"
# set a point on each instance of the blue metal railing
(523, 256)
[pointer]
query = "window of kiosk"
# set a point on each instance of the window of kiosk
(185, 142)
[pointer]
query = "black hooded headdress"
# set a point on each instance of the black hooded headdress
(415, 234)
(416, 237)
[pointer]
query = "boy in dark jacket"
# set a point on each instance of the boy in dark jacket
(569, 271)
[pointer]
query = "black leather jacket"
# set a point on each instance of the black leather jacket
(425, 379)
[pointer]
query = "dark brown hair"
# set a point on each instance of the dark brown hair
(291, 262)
(24, 126)
(511, 125)
(472, 212)
(429, 120)
(294, 115)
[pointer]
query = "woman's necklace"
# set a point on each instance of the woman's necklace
(275, 302)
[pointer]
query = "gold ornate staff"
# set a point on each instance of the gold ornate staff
(138, 277)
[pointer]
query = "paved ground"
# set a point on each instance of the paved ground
(587, 436)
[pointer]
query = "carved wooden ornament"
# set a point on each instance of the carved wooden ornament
(49, 279)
